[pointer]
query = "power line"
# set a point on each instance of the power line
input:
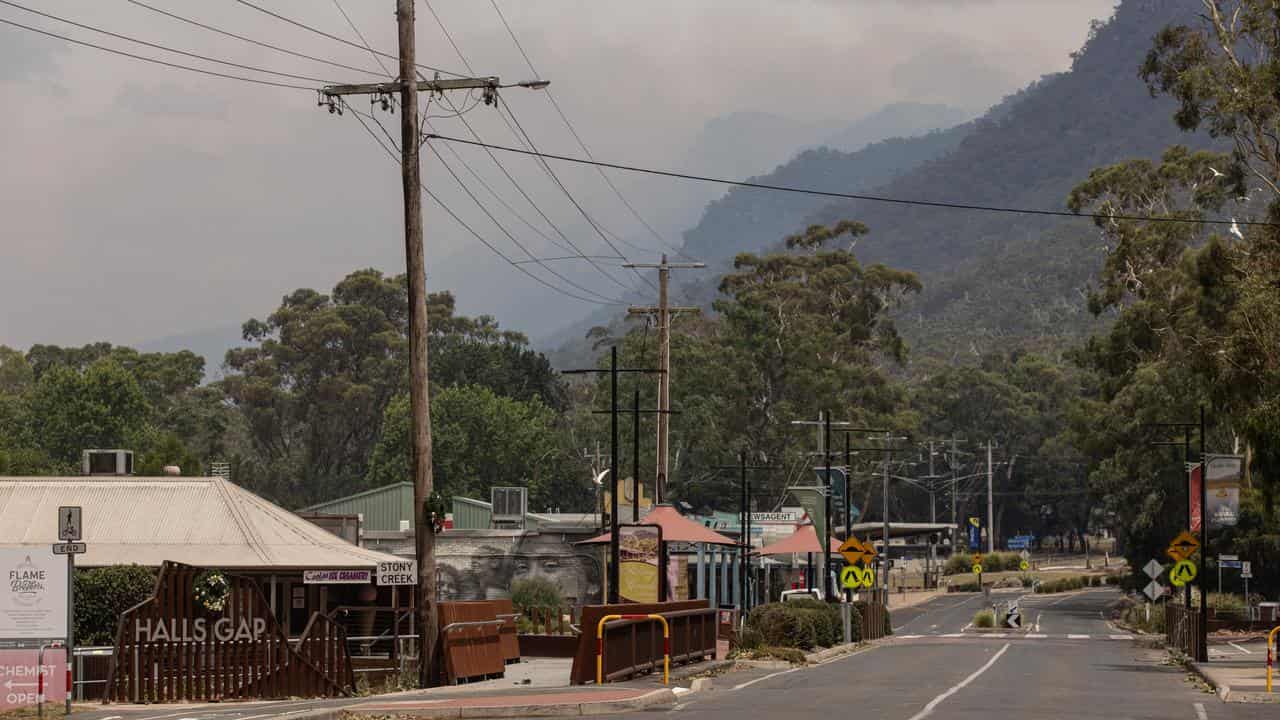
(569, 246)
(342, 40)
(165, 48)
(156, 61)
(363, 42)
(569, 195)
(391, 153)
(250, 40)
(852, 196)
(573, 131)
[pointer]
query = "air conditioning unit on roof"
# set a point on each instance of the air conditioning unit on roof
(106, 462)
(509, 506)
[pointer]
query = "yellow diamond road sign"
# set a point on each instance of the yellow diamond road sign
(853, 577)
(1183, 546)
(1023, 565)
(1182, 573)
(854, 551)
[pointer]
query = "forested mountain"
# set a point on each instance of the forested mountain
(992, 281)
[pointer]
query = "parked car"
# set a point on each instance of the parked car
(807, 594)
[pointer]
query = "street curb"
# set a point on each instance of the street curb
(663, 696)
(1226, 694)
(824, 655)
(694, 671)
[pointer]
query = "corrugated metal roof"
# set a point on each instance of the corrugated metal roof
(208, 522)
(383, 507)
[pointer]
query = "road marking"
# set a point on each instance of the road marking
(899, 628)
(1064, 597)
(996, 635)
(910, 637)
(1200, 713)
(112, 717)
(1121, 637)
(928, 709)
(1244, 650)
(1036, 636)
(952, 635)
(749, 683)
(1077, 637)
(1038, 616)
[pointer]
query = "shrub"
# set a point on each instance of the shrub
(984, 619)
(536, 592)
(803, 624)
(103, 594)
(1027, 580)
(971, 586)
(958, 564)
(750, 639)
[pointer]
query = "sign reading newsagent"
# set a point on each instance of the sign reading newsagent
(33, 596)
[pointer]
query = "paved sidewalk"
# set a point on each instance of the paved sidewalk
(1237, 679)
(551, 703)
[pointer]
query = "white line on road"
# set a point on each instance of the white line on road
(1036, 636)
(113, 717)
(1244, 650)
(952, 635)
(749, 683)
(1121, 637)
(1077, 637)
(928, 709)
(1038, 616)
(1200, 713)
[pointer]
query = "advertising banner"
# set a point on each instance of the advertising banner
(1222, 475)
(1196, 478)
(640, 548)
(975, 533)
(813, 501)
(33, 597)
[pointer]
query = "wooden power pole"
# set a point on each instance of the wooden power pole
(663, 312)
(415, 269)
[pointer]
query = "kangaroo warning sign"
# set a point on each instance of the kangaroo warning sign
(20, 677)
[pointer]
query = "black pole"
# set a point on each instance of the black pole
(1202, 650)
(746, 557)
(635, 458)
(743, 528)
(615, 554)
(823, 542)
(848, 500)
(1186, 456)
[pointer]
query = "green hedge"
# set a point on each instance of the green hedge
(103, 594)
(803, 624)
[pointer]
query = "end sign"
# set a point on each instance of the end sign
(398, 572)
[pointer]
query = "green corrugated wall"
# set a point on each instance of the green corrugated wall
(383, 508)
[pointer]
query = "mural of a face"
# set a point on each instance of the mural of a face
(487, 573)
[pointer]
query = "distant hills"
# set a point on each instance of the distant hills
(993, 281)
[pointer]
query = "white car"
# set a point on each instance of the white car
(808, 594)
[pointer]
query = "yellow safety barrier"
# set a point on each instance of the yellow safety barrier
(1271, 643)
(666, 644)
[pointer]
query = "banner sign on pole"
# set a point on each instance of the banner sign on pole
(33, 596)
(1223, 476)
(975, 533)
(1196, 478)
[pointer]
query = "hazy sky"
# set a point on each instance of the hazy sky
(139, 202)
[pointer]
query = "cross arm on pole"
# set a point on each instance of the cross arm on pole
(437, 85)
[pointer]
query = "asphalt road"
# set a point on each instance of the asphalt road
(1076, 666)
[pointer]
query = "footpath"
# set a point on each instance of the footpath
(1237, 671)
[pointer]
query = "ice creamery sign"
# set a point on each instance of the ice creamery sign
(33, 597)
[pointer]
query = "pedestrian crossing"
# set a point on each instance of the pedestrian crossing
(1022, 636)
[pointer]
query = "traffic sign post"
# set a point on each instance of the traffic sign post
(70, 532)
(1183, 572)
(1153, 569)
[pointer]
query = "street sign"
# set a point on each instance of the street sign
(397, 572)
(854, 551)
(975, 533)
(1246, 569)
(1224, 556)
(853, 577)
(71, 548)
(1014, 618)
(1153, 569)
(1183, 546)
(1025, 555)
(21, 671)
(1024, 565)
(977, 569)
(1153, 590)
(1230, 563)
(1182, 573)
(69, 529)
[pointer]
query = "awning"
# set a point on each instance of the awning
(675, 528)
(804, 540)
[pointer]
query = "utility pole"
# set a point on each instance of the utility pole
(955, 528)
(744, 506)
(824, 424)
(415, 270)
(991, 530)
(885, 493)
(933, 512)
(663, 311)
(635, 457)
